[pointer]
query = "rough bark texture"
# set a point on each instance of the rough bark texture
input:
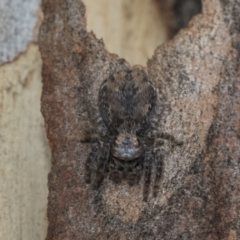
(197, 76)
(24, 152)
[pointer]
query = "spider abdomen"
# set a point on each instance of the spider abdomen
(126, 101)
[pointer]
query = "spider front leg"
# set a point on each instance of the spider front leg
(102, 161)
(148, 159)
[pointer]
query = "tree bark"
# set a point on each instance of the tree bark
(197, 77)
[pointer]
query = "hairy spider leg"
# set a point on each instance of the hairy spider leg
(134, 178)
(158, 174)
(91, 158)
(149, 156)
(153, 132)
(166, 136)
(102, 161)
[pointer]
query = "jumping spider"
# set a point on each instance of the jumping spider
(126, 146)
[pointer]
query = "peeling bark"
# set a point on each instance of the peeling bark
(197, 76)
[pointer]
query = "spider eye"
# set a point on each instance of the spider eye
(127, 147)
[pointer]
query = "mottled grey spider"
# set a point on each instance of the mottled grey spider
(126, 147)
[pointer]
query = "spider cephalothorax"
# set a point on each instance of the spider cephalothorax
(127, 148)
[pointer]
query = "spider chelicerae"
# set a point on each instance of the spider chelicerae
(127, 143)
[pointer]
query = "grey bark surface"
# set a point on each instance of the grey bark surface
(18, 21)
(197, 77)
